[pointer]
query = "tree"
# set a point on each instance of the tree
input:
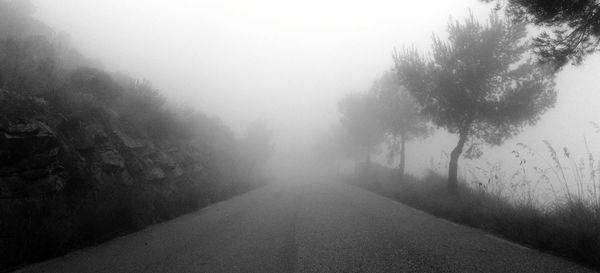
(399, 114)
(359, 118)
(571, 28)
(335, 146)
(478, 84)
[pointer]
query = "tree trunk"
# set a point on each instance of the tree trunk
(453, 168)
(402, 154)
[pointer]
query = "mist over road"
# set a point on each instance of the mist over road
(318, 227)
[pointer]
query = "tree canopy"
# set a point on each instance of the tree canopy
(571, 29)
(360, 118)
(478, 84)
(399, 115)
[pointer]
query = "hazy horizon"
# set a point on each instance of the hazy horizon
(299, 136)
(290, 63)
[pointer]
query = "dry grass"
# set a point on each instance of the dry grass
(568, 228)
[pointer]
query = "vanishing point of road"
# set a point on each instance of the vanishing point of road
(326, 227)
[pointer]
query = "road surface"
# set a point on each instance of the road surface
(327, 227)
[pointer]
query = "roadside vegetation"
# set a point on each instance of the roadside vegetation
(86, 154)
(485, 83)
(565, 223)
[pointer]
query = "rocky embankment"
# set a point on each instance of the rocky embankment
(67, 180)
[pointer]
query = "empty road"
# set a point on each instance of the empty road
(326, 227)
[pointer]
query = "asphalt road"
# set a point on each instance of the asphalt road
(325, 227)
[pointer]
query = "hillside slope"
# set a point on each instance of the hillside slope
(86, 154)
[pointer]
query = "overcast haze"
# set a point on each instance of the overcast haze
(299, 136)
(290, 62)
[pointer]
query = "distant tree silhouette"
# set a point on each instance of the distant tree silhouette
(359, 117)
(571, 28)
(399, 114)
(478, 84)
(334, 146)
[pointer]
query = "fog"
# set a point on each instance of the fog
(308, 136)
(290, 63)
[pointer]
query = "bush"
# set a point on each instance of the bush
(96, 83)
(14, 105)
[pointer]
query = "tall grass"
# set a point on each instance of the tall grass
(550, 202)
(562, 177)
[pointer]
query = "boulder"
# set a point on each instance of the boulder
(198, 168)
(177, 172)
(164, 161)
(110, 159)
(127, 141)
(88, 136)
(40, 160)
(49, 185)
(126, 178)
(22, 128)
(29, 136)
(27, 143)
(156, 174)
(177, 156)
(134, 164)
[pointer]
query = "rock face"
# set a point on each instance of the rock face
(33, 155)
(112, 160)
(65, 180)
(29, 164)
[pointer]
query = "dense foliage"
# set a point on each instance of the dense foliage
(571, 29)
(478, 84)
(359, 117)
(399, 114)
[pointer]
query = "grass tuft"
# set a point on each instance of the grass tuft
(570, 229)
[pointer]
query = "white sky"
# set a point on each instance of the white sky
(290, 61)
